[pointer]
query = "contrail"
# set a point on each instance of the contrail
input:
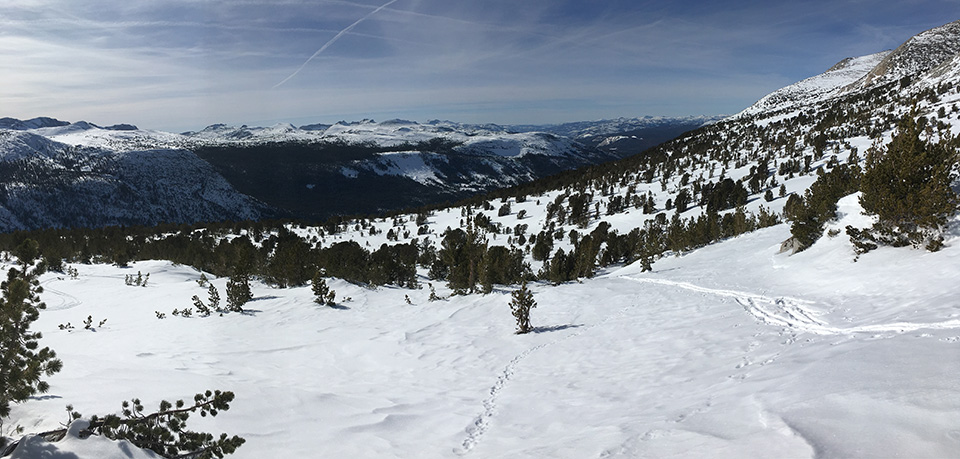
(333, 40)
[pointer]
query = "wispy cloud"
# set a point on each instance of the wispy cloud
(181, 64)
(334, 40)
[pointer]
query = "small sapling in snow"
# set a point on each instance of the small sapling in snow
(520, 304)
(324, 295)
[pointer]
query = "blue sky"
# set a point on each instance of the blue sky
(184, 64)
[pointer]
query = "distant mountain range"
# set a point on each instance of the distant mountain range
(623, 136)
(63, 174)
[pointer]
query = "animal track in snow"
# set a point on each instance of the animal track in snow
(482, 422)
(795, 313)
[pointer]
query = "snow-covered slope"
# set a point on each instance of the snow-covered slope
(731, 351)
(819, 87)
(920, 54)
(917, 55)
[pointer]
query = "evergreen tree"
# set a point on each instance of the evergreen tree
(165, 431)
(289, 265)
(202, 309)
(213, 298)
(22, 363)
(502, 266)
(521, 303)
(238, 292)
(324, 295)
(907, 186)
(819, 203)
(542, 247)
(26, 252)
(559, 269)
(462, 252)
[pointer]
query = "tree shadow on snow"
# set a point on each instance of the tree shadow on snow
(263, 298)
(338, 307)
(554, 328)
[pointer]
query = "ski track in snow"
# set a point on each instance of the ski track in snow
(481, 424)
(67, 301)
(795, 313)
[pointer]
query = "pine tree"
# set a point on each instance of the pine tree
(907, 186)
(213, 298)
(22, 363)
(238, 292)
(202, 309)
(324, 295)
(520, 304)
(819, 203)
(165, 430)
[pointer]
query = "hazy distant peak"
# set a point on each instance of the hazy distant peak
(34, 123)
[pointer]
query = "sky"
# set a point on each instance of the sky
(184, 64)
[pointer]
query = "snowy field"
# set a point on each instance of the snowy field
(732, 351)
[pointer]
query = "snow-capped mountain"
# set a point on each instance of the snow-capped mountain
(585, 129)
(623, 136)
(830, 83)
(368, 167)
(349, 167)
(44, 184)
(34, 123)
(919, 56)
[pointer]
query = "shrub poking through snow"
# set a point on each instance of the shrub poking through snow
(165, 431)
(202, 309)
(137, 281)
(324, 295)
(521, 303)
(238, 292)
(213, 298)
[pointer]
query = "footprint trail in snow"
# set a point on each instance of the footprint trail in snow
(482, 423)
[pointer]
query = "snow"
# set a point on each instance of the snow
(409, 164)
(818, 87)
(73, 446)
(732, 349)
